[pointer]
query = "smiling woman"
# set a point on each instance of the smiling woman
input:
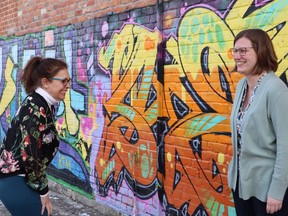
(57, 86)
(26, 153)
(258, 174)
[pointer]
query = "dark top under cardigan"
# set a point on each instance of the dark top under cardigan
(30, 144)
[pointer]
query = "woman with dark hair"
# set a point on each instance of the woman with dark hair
(258, 171)
(32, 140)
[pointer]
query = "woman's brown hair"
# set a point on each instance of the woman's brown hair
(38, 68)
(263, 46)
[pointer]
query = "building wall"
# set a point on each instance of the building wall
(144, 127)
(25, 16)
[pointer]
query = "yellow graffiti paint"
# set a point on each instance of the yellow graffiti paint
(118, 144)
(169, 156)
(221, 158)
(72, 120)
(102, 162)
(10, 87)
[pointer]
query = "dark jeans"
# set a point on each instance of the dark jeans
(255, 207)
(19, 198)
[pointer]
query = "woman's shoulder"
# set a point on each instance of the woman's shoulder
(275, 83)
(33, 103)
(36, 99)
(275, 86)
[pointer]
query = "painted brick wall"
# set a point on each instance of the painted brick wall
(144, 128)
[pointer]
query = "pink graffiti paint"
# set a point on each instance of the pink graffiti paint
(81, 71)
(105, 29)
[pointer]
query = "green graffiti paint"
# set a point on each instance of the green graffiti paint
(108, 169)
(219, 35)
(145, 167)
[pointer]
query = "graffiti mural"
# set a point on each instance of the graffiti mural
(145, 127)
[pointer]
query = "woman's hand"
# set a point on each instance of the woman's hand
(273, 205)
(46, 203)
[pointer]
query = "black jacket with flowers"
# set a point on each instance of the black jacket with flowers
(30, 144)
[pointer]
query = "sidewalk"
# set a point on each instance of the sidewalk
(63, 205)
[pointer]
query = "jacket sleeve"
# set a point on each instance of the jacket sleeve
(33, 126)
(279, 119)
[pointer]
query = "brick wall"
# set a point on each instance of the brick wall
(144, 128)
(27, 16)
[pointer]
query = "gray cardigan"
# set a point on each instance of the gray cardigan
(263, 163)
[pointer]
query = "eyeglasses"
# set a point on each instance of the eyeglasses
(65, 81)
(241, 51)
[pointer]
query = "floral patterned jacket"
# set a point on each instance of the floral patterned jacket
(30, 144)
